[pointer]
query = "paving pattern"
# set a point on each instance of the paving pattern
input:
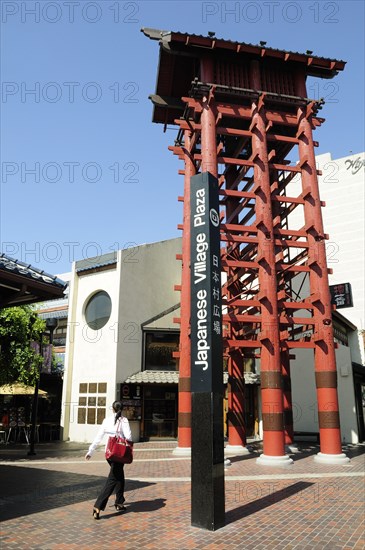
(46, 502)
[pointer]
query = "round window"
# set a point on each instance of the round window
(98, 310)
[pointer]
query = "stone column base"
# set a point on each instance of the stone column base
(323, 458)
(182, 451)
(266, 460)
(236, 450)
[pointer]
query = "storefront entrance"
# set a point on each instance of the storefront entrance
(159, 411)
(154, 406)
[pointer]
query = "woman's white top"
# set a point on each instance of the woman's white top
(109, 428)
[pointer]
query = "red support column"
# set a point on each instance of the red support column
(324, 353)
(271, 378)
(208, 130)
(184, 413)
(278, 222)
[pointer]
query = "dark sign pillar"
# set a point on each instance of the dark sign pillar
(207, 449)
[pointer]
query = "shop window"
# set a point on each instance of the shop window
(98, 310)
(92, 403)
(160, 411)
(159, 348)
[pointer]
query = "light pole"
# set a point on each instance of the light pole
(51, 325)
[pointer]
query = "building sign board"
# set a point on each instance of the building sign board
(130, 396)
(341, 295)
(355, 165)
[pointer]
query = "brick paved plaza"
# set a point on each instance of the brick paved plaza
(46, 501)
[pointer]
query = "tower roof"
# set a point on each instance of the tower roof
(179, 64)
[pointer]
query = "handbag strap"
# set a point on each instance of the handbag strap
(118, 431)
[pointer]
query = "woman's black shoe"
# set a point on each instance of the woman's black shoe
(96, 513)
(120, 507)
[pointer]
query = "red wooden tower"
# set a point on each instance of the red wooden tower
(240, 110)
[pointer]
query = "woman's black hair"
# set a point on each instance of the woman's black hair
(117, 408)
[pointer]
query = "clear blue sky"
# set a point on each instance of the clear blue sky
(105, 176)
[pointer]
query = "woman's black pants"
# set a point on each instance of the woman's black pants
(115, 480)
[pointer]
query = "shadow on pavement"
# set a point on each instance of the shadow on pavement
(138, 507)
(55, 449)
(26, 491)
(264, 502)
(305, 449)
(147, 505)
(310, 449)
(354, 450)
(243, 458)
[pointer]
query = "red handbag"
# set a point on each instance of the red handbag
(119, 449)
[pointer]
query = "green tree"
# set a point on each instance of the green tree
(19, 326)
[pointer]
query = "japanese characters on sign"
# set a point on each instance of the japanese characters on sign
(341, 295)
(206, 307)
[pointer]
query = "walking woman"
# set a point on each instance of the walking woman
(111, 425)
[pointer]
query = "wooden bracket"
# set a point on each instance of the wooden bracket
(306, 192)
(253, 126)
(261, 102)
(310, 109)
(303, 161)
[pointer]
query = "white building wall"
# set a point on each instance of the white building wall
(305, 409)
(93, 352)
(305, 416)
(342, 187)
(346, 396)
(68, 409)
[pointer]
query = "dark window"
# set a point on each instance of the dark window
(98, 310)
(159, 348)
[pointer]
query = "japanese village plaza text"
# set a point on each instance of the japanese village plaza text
(201, 285)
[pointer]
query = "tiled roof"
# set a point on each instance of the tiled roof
(61, 314)
(91, 263)
(22, 283)
(153, 377)
(172, 377)
(15, 266)
(214, 42)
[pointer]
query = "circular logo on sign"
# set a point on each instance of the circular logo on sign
(214, 217)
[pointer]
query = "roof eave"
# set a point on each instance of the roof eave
(327, 66)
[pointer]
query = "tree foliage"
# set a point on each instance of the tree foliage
(19, 326)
